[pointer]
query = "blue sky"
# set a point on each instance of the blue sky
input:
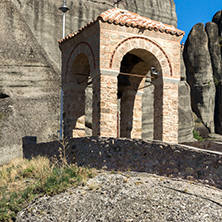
(191, 12)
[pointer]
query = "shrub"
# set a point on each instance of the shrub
(197, 136)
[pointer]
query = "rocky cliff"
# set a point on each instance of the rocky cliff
(202, 55)
(29, 87)
(30, 61)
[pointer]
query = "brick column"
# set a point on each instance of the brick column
(170, 110)
(105, 103)
(74, 110)
(166, 110)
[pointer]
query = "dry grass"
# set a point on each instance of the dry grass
(20, 168)
(22, 180)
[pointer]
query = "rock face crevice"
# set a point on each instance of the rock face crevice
(202, 55)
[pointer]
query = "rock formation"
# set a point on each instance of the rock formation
(186, 122)
(218, 20)
(29, 88)
(212, 30)
(202, 56)
(200, 75)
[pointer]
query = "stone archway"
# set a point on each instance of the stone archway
(77, 91)
(82, 47)
(135, 76)
(135, 42)
(165, 91)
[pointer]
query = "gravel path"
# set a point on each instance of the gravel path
(129, 196)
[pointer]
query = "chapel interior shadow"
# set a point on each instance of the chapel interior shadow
(78, 99)
(136, 84)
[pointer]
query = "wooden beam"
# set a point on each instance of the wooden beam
(137, 75)
(82, 74)
(145, 86)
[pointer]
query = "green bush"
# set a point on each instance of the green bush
(197, 136)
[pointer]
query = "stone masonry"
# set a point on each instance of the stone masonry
(172, 160)
(119, 43)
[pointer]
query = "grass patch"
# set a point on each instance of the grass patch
(197, 136)
(23, 180)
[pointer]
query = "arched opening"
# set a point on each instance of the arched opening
(78, 99)
(139, 95)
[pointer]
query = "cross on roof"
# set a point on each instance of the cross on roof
(117, 3)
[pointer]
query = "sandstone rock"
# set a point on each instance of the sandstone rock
(218, 20)
(199, 73)
(215, 53)
(29, 86)
(213, 47)
(186, 122)
(148, 112)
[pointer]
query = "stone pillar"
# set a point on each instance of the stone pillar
(74, 110)
(170, 110)
(158, 110)
(166, 111)
(105, 103)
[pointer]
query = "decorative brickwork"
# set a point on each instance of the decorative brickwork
(118, 54)
(138, 42)
(82, 47)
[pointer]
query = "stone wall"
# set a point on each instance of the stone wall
(139, 155)
(207, 145)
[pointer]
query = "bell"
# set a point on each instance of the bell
(119, 95)
(123, 81)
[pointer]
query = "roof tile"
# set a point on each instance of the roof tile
(125, 18)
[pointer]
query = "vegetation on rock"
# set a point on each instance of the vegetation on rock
(23, 180)
(197, 136)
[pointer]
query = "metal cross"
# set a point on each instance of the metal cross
(117, 3)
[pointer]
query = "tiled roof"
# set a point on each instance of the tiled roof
(125, 18)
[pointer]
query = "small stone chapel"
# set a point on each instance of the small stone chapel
(118, 56)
